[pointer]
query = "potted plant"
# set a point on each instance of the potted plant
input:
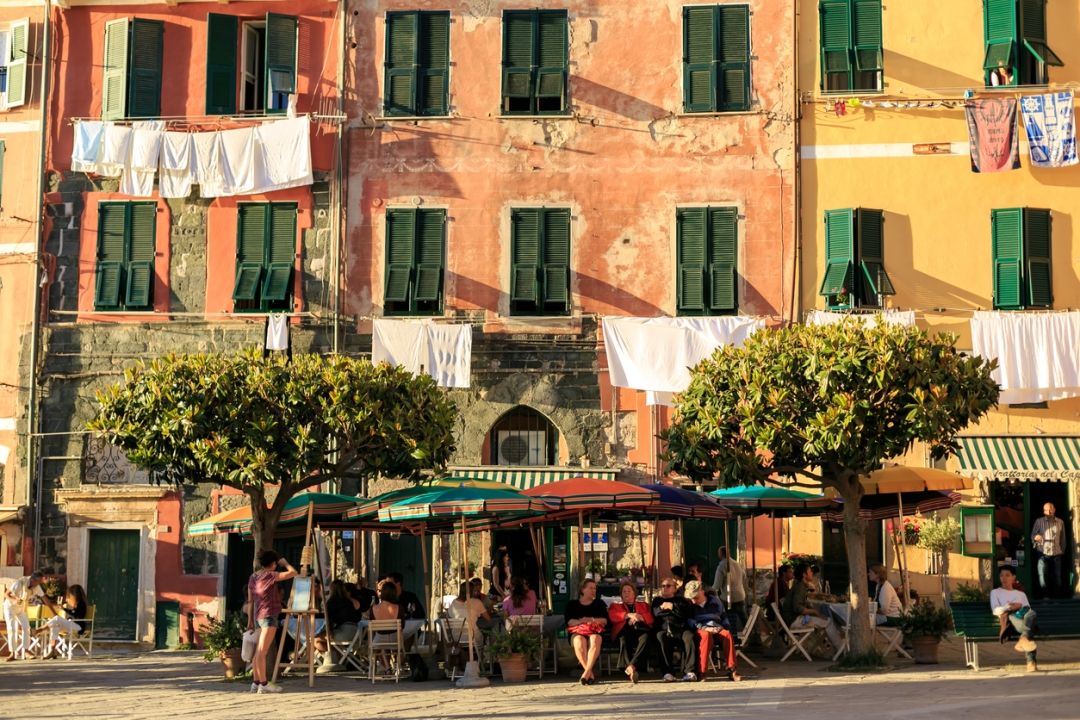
(595, 568)
(513, 649)
(222, 639)
(924, 626)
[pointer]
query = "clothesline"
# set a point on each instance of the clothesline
(940, 95)
(208, 119)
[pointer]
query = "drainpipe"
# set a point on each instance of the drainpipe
(33, 478)
(796, 271)
(339, 177)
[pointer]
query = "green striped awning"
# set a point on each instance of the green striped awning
(1020, 457)
(524, 478)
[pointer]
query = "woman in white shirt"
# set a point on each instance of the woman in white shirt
(888, 602)
(465, 607)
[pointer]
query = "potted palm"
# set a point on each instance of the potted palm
(222, 640)
(513, 649)
(924, 626)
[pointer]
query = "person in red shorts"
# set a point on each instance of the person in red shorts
(711, 626)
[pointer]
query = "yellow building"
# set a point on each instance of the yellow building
(883, 128)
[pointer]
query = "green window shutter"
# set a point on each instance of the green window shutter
(278, 282)
(16, 71)
(1000, 35)
(839, 252)
(246, 286)
(691, 242)
(430, 241)
(835, 17)
(699, 59)
(142, 230)
(434, 62)
(734, 70)
(1033, 31)
(114, 80)
(556, 258)
(1037, 241)
(401, 61)
(551, 61)
(221, 43)
(145, 53)
(111, 256)
(723, 241)
(519, 35)
(281, 253)
(252, 220)
(873, 277)
(281, 31)
(1007, 250)
(400, 254)
(866, 35)
(525, 255)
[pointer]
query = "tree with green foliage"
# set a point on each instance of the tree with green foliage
(253, 423)
(822, 406)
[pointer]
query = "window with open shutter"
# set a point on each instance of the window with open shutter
(280, 78)
(265, 256)
(874, 280)
(115, 77)
(852, 52)
(221, 44)
(1021, 249)
(126, 248)
(1015, 38)
(716, 58)
(837, 285)
(540, 261)
(855, 274)
(417, 64)
(706, 282)
(535, 62)
(145, 53)
(415, 261)
(16, 63)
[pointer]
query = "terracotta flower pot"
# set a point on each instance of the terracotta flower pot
(232, 662)
(925, 649)
(513, 668)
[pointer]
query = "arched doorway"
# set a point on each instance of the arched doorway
(522, 437)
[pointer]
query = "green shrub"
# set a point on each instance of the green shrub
(926, 620)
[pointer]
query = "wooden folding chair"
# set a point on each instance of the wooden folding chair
(455, 636)
(68, 643)
(796, 637)
(743, 638)
(345, 651)
(384, 641)
(893, 637)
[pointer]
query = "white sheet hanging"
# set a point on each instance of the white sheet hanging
(277, 332)
(145, 146)
(176, 172)
(422, 347)
(238, 161)
(905, 318)
(138, 183)
(115, 150)
(209, 170)
(1038, 353)
(656, 354)
(86, 151)
(284, 154)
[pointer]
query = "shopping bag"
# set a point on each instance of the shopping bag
(247, 646)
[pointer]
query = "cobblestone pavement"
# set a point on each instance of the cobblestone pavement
(180, 685)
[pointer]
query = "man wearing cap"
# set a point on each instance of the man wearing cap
(709, 623)
(18, 596)
(671, 615)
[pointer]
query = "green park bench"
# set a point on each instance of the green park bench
(973, 621)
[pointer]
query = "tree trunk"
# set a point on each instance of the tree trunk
(264, 521)
(859, 633)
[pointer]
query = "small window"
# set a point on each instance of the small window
(855, 275)
(1023, 273)
(250, 65)
(852, 56)
(716, 58)
(977, 531)
(417, 64)
(415, 252)
(1015, 36)
(131, 86)
(540, 261)
(535, 59)
(124, 271)
(706, 240)
(523, 437)
(265, 257)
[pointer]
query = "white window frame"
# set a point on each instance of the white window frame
(248, 30)
(5, 61)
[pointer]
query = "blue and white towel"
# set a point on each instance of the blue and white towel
(1051, 129)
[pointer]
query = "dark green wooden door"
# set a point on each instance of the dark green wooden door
(112, 583)
(402, 554)
(701, 538)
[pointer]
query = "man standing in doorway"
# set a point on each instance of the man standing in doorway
(1048, 539)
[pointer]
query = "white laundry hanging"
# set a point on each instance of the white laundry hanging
(176, 167)
(87, 148)
(1038, 353)
(283, 154)
(422, 347)
(904, 318)
(238, 161)
(209, 170)
(277, 332)
(115, 150)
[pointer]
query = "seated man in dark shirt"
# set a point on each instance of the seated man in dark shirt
(411, 607)
(671, 627)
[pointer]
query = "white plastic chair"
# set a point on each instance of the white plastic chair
(796, 636)
(68, 643)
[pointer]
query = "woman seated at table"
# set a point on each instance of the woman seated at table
(884, 594)
(631, 625)
(73, 610)
(521, 600)
(586, 619)
(341, 612)
(469, 608)
(387, 608)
